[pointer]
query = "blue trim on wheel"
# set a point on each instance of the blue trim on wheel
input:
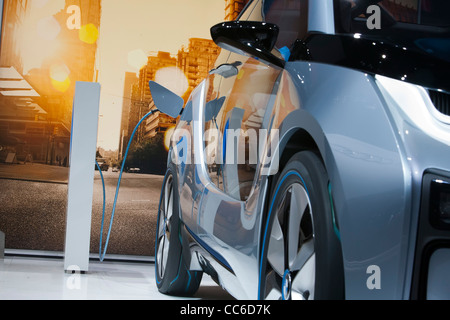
(290, 173)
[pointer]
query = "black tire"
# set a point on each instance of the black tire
(172, 255)
(302, 258)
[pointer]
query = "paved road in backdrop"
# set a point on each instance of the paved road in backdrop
(33, 203)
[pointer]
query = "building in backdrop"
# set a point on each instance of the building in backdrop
(36, 107)
(194, 61)
(14, 15)
(142, 100)
(23, 121)
(129, 81)
(233, 8)
(197, 60)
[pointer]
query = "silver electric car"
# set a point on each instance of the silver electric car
(314, 160)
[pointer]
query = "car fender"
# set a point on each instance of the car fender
(348, 122)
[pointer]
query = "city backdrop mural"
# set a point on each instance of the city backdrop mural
(49, 45)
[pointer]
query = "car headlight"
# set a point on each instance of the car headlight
(440, 203)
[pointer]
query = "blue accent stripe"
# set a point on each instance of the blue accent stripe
(102, 254)
(212, 252)
(178, 274)
(224, 145)
(290, 173)
(189, 281)
(335, 227)
(104, 204)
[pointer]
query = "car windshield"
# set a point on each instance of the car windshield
(356, 15)
(422, 12)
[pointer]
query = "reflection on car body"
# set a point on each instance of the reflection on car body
(312, 163)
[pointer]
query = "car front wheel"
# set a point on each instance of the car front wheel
(172, 256)
(301, 252)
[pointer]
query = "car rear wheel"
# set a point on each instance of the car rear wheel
(301, 253)
(172, 256)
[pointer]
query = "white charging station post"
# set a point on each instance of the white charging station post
(2, 235)
(83, 146)
(2, 245)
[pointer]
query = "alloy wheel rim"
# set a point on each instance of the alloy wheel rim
(164, 229)
(290, 271)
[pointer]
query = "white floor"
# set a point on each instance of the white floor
(39, 278)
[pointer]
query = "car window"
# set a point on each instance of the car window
(234, 117)
(418, 14)
(253, 11)
(291, 16)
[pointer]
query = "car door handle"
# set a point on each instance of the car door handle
(227, 70)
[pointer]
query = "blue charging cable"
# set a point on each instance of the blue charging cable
(102, 254)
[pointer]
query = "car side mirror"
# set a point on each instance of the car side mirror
(252, 38)
(165, 100)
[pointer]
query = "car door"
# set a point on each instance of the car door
(240, 93)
